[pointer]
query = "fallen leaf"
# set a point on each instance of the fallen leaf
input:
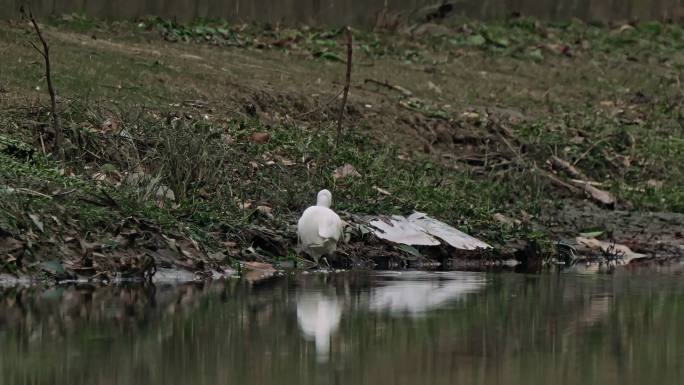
(285, 161)
(470, 115)
(267, 211)
(259, 266)
(172, 243)
(259, 137)
(506, 220)
(399, 230)
(382, 191)
(227, 139)
(165, 193)
(625, 27)
(448, 234)
(345, 171)
(654, 184)
(109, 125)
(37, 222)
(432, 86)
(476, 40)
(217, 256)
(607, 247)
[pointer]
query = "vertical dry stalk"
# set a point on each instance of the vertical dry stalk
(45, 52)
(347, 82)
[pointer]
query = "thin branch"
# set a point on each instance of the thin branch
(393, 87)
(347, 82)
(56, 122)
(40, 51)
(320, 107)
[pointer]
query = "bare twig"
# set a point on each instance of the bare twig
(347, 82)
(45, 52)
(560, 164)
(559, 182)
(393, 87)
(601, 196)
(320, 107)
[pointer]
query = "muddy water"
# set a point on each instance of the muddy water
(358, 12)
(371, 328)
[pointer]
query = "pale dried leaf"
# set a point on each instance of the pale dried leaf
(37, 222)
(345, 171)
(265, 210)
(654, 184)
(432, 86)
(599, 195)
(625, 252)
(258, 266)
(448, 234)
(259, 137)
(505, 220)
(399, 230)
(382, 191)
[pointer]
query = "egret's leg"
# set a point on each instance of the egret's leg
(326, 262)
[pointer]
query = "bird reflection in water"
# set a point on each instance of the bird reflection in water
(413, 293)
(319, 317)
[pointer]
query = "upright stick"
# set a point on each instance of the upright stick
(347, 82)
(56, 123)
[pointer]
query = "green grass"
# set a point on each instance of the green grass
(131, 104)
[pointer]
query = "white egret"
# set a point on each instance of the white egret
(320, 228)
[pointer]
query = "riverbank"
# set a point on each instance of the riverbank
(196, 147)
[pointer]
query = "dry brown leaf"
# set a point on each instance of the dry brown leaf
(267, 211)
(261, 266)
(227, 139)
(506, 220)
(37, 222)
(259, 137)
(382, 191)
(470, 115)
(655, 184)
(345, 171)
(109, 125)
(607, 247)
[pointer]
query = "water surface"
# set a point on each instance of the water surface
(350, 328)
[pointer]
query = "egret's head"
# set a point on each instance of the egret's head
(324, 198)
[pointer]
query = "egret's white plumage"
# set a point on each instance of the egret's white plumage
(319, 229)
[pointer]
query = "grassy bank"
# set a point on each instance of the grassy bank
(196, 146)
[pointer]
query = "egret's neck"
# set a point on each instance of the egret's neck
(323, 201)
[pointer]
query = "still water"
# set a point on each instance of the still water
(351, 328)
